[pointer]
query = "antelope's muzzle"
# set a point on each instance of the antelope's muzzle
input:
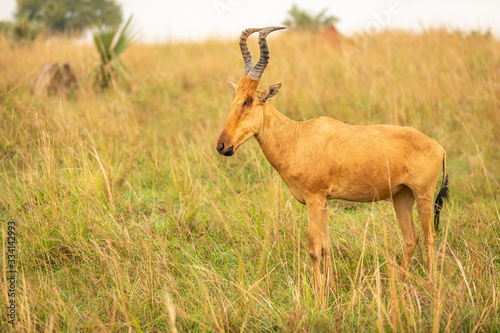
(229, 151)
(220, 148)
(225, 144)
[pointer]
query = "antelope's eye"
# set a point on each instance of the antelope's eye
(247, 102)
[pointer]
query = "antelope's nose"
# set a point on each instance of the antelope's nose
(220, 148)
(229, 151)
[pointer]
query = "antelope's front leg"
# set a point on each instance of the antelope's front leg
(327, 259)
(316, 230)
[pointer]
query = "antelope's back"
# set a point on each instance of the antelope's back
(357, 162)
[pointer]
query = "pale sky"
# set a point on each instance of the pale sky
(163, 20)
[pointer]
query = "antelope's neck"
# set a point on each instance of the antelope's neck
(278, 138)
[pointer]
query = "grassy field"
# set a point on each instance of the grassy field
(127, 219)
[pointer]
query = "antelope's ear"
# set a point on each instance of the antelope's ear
(233, 84)
(271, 91)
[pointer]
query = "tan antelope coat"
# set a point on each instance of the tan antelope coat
(323, 159)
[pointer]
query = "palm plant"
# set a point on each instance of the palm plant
(111, 42)
(299, 19)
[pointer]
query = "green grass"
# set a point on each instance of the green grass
(128, 219)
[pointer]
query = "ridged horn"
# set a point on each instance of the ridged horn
(247, 57)
(257, 71)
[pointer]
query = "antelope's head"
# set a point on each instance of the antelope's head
(246, 115)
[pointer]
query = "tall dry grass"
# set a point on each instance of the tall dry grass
(127, 218)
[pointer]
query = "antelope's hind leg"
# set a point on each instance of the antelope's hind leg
(425, 208)
(403, 205)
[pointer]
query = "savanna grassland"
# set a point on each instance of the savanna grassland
(127, 219)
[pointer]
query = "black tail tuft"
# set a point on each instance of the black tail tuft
(443, 195)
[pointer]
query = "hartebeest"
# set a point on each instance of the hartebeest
(323, 159)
